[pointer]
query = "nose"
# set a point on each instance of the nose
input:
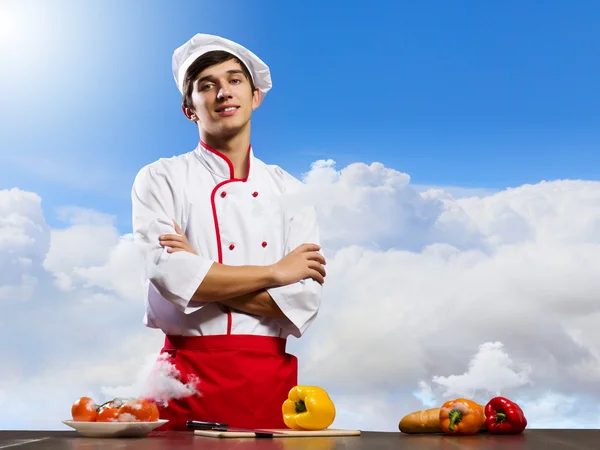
(223, 92)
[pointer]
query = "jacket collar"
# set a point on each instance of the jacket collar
(218, 162)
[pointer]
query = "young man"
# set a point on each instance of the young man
(232, 270)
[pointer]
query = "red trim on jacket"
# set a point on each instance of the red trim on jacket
(214, 209)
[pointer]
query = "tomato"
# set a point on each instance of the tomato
(154, 416)
(138, 411)
(84, 410)
(108, 414)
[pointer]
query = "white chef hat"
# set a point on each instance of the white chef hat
(185, 55)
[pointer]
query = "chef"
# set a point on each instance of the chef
(232, 255)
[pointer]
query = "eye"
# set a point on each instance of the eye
(206, 86)
(236, 80)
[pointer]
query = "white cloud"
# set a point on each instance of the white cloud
(513, 273)
(375, 207)
(428, 297)
(23, 241)
(79, 252)
(457, 191)
(21, 291)
(121, 272)
(490, 373)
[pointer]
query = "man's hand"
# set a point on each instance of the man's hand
(303, 262)
(176, 242)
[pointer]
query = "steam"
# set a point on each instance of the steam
(164, 383)
(160, 382)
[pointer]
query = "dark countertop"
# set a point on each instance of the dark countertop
(534, 439)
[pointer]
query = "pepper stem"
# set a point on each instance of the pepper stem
(500, 417)
(300, 407)
(455, 417)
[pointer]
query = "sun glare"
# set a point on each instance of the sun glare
(17, 21)
(25, 36)
(9, 25)
(24, 26)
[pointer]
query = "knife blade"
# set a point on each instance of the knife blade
(204, 425)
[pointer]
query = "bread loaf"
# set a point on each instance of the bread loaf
(424, 421)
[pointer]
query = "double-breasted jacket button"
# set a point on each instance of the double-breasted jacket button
(223, 194)
(254, 194)
(264, 244)
(231, 246)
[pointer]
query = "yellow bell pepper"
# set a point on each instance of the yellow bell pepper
(308, 408)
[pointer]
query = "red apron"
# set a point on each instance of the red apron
(243, 380)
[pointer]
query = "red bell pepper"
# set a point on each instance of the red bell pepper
(503, 416)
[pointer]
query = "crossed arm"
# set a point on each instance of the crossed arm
(258, 303)
(289, 290)
(249, 294)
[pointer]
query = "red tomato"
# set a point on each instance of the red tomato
(154, 409)
(138, 411)
(108, 414)
(84, 410)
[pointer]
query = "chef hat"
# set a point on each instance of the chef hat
(185, 55)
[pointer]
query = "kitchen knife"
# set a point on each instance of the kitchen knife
(215, 426)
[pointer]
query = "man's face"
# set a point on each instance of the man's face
(223, 99)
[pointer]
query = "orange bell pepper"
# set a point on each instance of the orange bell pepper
(461, 417)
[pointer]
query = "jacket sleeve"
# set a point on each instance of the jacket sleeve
(176, 276)
(300, 302)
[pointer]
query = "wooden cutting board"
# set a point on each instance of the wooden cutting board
(283, 433)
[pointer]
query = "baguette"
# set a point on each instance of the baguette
(426, 421)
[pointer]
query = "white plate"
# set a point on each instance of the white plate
(114, 429)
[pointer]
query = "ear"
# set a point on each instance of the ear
(189, 113)
(256, 99)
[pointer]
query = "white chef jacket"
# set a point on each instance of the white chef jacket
(232, 221)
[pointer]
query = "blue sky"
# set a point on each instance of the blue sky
(453, 93)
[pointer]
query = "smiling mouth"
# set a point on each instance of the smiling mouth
(227, 109)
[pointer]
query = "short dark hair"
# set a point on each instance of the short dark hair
(203, 62)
